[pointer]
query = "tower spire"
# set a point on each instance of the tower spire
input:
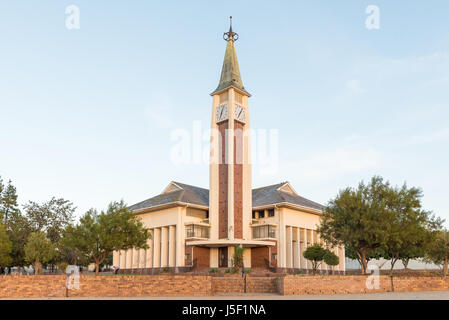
(230, 72)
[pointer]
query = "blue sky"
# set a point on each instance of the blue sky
(87, 114)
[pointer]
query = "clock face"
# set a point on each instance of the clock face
(222, 112)
(239, 113)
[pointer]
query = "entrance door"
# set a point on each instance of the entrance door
(222, 257)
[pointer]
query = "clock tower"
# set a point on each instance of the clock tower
(230, 169)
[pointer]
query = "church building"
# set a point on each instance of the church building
(194, 228)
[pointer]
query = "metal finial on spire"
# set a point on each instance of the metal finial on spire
(230, 35)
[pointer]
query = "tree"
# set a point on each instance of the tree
(5, 248)
(438, 251)
(352, 254)
(410, 226)
(99, 234)
(359, 218)
(315, 253)
(331, 259)
(237, 258)
(18, 231)
(8, 201)
(51, 217)
(39, 250)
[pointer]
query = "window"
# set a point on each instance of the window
(254, 214)
(274, 256)
(266, 231)
(207, 214)
(271, 212)
(262, 214)
(196, 231)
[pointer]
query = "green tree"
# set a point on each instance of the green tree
(39, 250)
(315, 254)
(18, 231)
(237, 258)
(99, 234)
(410, 226)
(50, 217)
(5, 248)
(352, 254)
(438, 251)
(331, 259)
(359, 218)
(8, 201)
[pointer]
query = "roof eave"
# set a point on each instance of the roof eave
(291, 206)
(170, 205)
(242, 91)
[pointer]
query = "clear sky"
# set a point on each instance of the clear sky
(87, 114)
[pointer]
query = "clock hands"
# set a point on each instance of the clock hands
(241, 110)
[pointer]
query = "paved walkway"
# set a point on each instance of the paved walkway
(423, 295)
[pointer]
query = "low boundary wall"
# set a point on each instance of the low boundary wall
(15, 286)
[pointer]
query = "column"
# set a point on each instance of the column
(180, 245)
(122, 264)
(116, 258)
(149, 251)
(164, 247)
(317, 237)
(297, 262)
(135, 258)
(172, 246)
(142, 258)
(306, 242)
(288, 239)
(157, 248)
(129, 259)
(303, 248)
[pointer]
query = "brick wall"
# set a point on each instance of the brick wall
(294, 285)
(236, 285)
(238, 180)
(105, 286)
(223, 183)
(196, 285)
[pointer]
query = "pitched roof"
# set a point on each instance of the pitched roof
(176, 192)
(277, 193)
(269, 195)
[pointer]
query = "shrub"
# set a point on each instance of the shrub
(165, 270)
(213, 270)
